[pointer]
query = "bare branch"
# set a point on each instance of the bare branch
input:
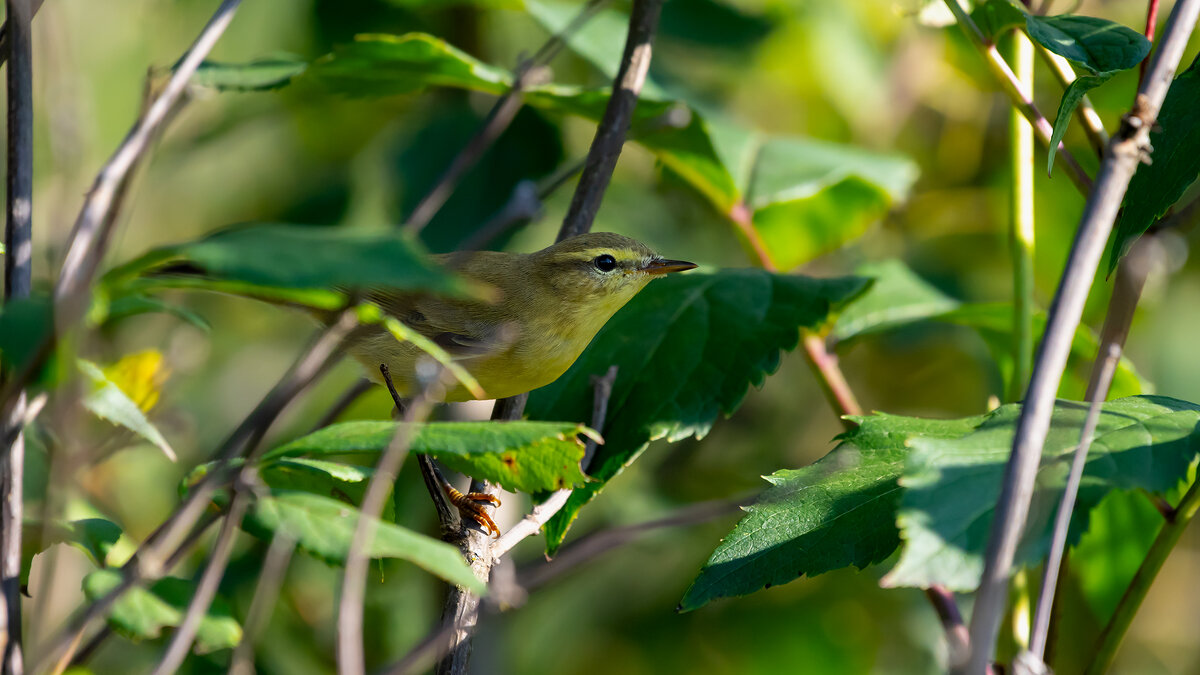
(18, 282)
(181, 641)
(946, 607)
(270, 581)
(351, 660)
(541, 513)
(610, 134)
(1125, 152)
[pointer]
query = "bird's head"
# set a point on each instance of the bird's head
(601, 268)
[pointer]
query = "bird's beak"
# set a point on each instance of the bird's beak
(661, 266)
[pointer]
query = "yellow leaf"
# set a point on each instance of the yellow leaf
(141, 376)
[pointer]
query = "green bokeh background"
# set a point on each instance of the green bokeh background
(862, 72)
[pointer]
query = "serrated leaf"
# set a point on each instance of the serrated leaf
(143, 613)
(258, 75)
(1099, 45)
(840, 511)
(1175, 164)
(324, 528)
(1074, 93)
(951, 485)
(290, 263)
(688, 348)
(109, 402)
(520, 455)
(897, 297)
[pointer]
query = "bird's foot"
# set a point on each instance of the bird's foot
(471, 505)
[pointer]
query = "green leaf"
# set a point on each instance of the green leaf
(386, 65)
(840, 511)
(898, 297)
(344, 482)
(1098, 45)
(142, 613)
(995, 17)
(1176, 164)
(688, 348)
(1070, 101)
(137, 304)
(521, 455)
(108, 402)
(951, 485)
(262, 74)
(324, 527)
(255, 260)
(95, 537)
(25, 323)
(1120, 531)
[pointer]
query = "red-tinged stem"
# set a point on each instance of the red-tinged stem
(1151, 25)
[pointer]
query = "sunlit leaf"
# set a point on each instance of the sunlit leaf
(520, 455)
(108, 401)
(1099, 45)
(688, 348)
(1070, 101)
(95, 537)
(324, 527)
(257, 75)
(1174, 167)
(344, 482)
(897, 298)
(142, 613)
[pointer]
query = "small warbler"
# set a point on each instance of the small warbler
(550, 305)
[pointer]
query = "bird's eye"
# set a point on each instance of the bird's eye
(605, 263)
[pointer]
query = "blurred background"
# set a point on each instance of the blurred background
(869, 73)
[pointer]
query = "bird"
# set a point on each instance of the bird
(550, 305)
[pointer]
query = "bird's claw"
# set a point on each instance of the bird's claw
(471, 505)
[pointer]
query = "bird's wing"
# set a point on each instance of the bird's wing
(464, 328)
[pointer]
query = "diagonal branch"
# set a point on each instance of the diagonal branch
(1125, 151)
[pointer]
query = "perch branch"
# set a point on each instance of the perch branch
(1125, 151)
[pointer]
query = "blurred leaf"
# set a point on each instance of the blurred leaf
(840, 511)
(324, 527)
(688, 348)
(1070, 101)
(993, 322)
(25, 323)
(897, 297)
(253, 260)
(1121, 528)
(142, 613)
(378, 65)
(710, 24)
(136, 304)
(107, 401)
(1099, 45)
(261, 74)
(522, 456)
(94, 536)
(141, 376)
(1176, 164)
(344, 482)
(951, 484)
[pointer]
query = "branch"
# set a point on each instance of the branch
(541, 513)
(1021, 223)
(1135, 593)
(957, 638)
(36, 5)
(18, 282)
(1019, 95)
(1151, 24)
(181, 641)
(610, 134)
(529, 73)
(270, 581)
(1123, 156)
(350, 608)
(147, 562)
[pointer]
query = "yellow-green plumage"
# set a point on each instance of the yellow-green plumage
(551, 304)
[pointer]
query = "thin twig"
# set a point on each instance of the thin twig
(1127, 607)
(1125, 152)
(614, 125)
(1019, 95)
(146, 562)
(947, 610)
(437, 643)
(351, 660)
(270, 581)
(529, 73)
(206, 590)
(36, 5)
(541, 513)
(1151, 26)
(18, 282)
(824, 363)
